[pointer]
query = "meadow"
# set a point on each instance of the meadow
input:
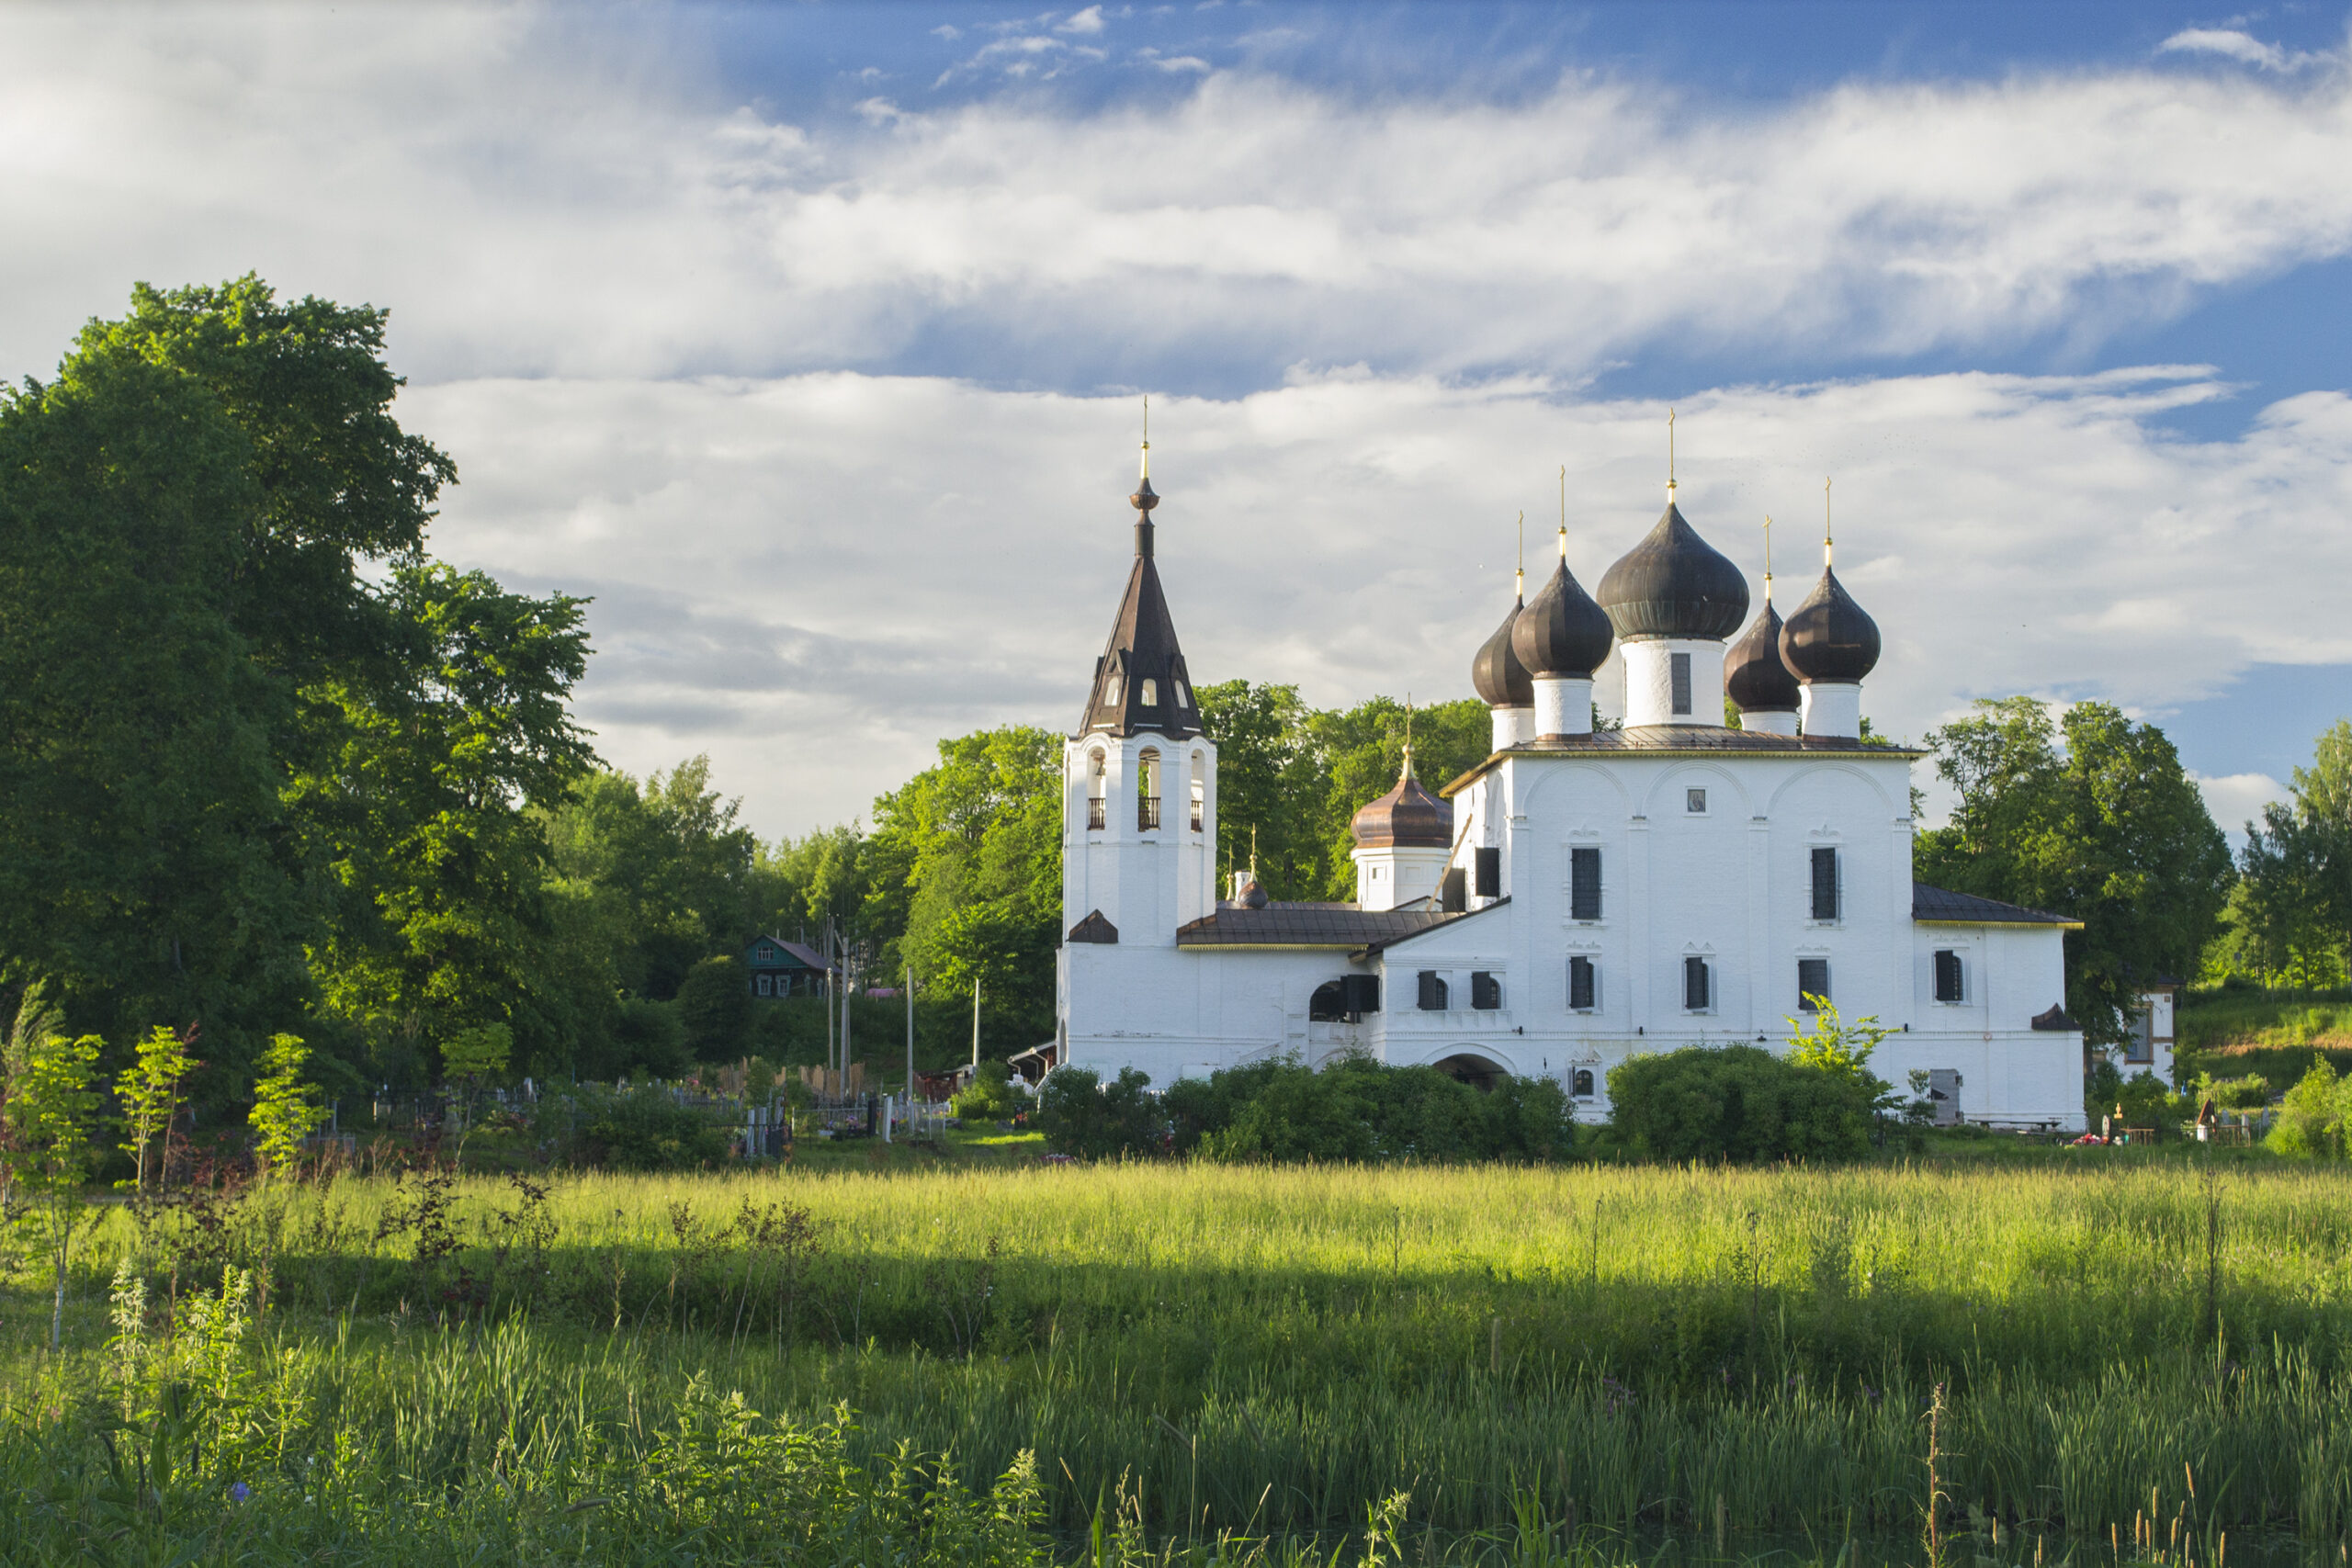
(1626, 1358)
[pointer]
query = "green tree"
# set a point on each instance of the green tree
(150, 1093)
(1082, 1116)
(1272, 785)
(1832, 1045)
(286, 1108)
(2292, 908)
(49, 1156)
(715, 1004)
(441, 862)
(1739, 1103)
(1362, 754)
(2109, 830)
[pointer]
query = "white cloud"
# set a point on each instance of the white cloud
(2231, 44)
(1087, 22)
(504, 179)
(814, 577)
(2236, 799)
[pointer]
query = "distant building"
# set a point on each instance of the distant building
(2149, 1047)
(780, 968)
(1577, 897)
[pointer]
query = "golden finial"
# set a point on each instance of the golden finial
(1519, 572)
(1253, 851)
(1564, 511)
(1408, 736)
(1824, 522)
(1669, 453)
(1767, 557)
(1147, 436)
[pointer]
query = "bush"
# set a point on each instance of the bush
(2312, 1116)
(1739, 1103)
(1360, 1109)
(649, 1039)
(1084, 1117)
(636, 1130)
(990, 1096)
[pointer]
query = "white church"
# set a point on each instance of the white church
(1579, 897)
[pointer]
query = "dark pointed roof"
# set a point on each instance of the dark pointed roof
(1142, 650)
(1829, 637)
(1562, 631)
(1674, 585)
(1754, 677)
(1407, 816)
(1496, 674)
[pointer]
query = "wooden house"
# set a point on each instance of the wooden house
(780, 968)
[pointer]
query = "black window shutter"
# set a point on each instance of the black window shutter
(1584, 884)
(1432, 991)
(1825, 884)
(1813, 980)
(1580, 983)
(1947, 975)
(1490, 873)
(1486, 991)
(1679, 664)
(1453, 892)
(1694, 984)
(1360, 993)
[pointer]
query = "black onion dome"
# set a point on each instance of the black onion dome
(1562, 632)
(1829, 637)
(1674, 585)
(1496, 674)
(1407, 816)
(1754, 677)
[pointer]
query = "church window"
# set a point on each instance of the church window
(1825, 884)
(1695, 801)
(1581, 983)
(1948, 976)
(1147, 789)
(1489, 864)
(1679, 666)
(1582, 1084)
(1695, 985)
(1200, 794)
(1584, 883)
(1485, 990)
(1432, 989)
(1183, 695)
(1813, 984)
(1151, 693)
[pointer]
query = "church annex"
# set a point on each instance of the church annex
(1579, 897)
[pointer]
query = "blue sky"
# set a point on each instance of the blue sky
(810, 339)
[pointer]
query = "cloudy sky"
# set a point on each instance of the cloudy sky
(810, 340)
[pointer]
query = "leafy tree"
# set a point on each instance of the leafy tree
(286, 1108)
(440, 861)
(1270, 786)
(715, 1006)
(2109, 831)
(2292, 907)
(2314, 1115)
(49, 1156)
(1082, 1116)
(150, 1093)
(1737, 1103)
(1832, 1045)
(1362, 754)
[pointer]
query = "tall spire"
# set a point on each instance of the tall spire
(1518, 571)
(1669, 457)
(1825, 521)
(1767, 557)
(1140, 683)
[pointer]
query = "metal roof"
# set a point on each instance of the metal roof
(1937, 905)
(1686, 738)
(1307, 925)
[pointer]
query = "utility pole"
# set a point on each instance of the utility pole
(849, 989)
(975, 1029)
(911, 1036)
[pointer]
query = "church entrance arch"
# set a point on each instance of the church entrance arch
(1476, 1068)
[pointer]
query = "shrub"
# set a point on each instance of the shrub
(715, 1004)
(1082, 1116)
(2311, 1121)
(650, 1039)
(1738, 1102)
(639, 1130)
(990, 1096)
(1360, 1109)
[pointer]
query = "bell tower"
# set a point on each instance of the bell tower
(1138, 777)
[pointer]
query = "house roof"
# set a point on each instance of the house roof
(1684, 738)
(1366, 931)
(1937, 905)
(805, 956)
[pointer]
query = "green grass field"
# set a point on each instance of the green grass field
(1635, 1357)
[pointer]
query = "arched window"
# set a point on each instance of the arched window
(1200, 794)
(1582, 1087)
(1150, 693)
(1329, 1004)
(1095, 786)
(1148, 788)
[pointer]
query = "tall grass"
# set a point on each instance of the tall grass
(1277, 1351)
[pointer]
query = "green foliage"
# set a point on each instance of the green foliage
(1360, 1111)
(48, 1156)
(2315, 1116)
(477, 1055)
(149, 1093)
(990, 1096)
(2289, 918)
(639, 1128)
(648, 1040)
(1739, 1103)
(1832, 1045)
(286, 1108)
(715, 1008)
(1082, 1116)
(2110, 832)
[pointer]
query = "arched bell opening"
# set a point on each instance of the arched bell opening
(1480, 1073)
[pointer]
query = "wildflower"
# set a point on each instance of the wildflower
(239, 1491)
